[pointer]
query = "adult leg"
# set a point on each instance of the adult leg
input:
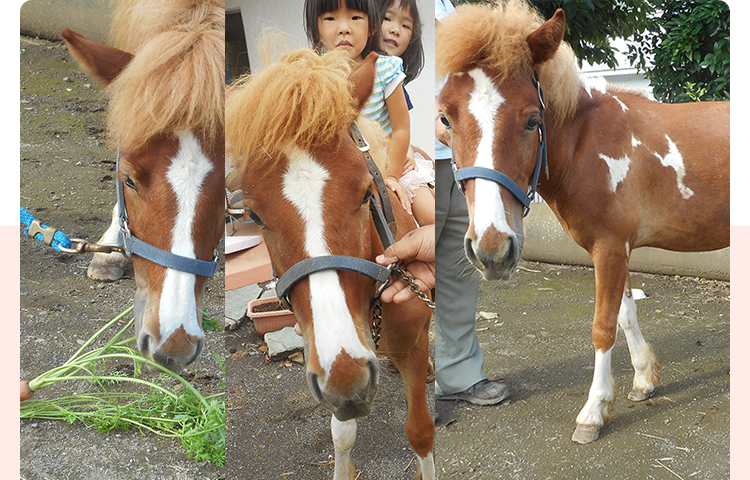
(458, 357)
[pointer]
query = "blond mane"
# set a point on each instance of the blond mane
(175, 82)
(302, 100)
(494, 37)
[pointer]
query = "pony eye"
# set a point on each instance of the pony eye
(130, 183)
(368, 195)
(532, 123)
(445, 121)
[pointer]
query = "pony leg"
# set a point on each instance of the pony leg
(641, 354)
(108, 266)
(610, 267)
(420, 428)
(344, 434)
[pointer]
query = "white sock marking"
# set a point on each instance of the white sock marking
(344, 434)
(601, 392)
(186, 175)
(427, 465)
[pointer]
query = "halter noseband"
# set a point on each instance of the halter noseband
(385, 225)
(461, 174)
(134, 246)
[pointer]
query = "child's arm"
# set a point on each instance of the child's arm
(399, 143)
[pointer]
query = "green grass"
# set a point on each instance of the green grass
(179, 412)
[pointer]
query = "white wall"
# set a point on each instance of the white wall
(287, 16)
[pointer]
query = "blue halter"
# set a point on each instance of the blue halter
(461, 174)
(134, 246)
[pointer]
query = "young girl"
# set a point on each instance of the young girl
(354, 26)
(402, 37)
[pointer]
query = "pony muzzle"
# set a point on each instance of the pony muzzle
(175, 353)
(495, 254)
(348, 391)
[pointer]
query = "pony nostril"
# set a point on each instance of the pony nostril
(312, 380)
(469, 250)
(372, 366)
(198, 350)
(512, 247)
(144, 343)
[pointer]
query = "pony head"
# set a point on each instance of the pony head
(166, 118)
(308, 183)
(494, 111)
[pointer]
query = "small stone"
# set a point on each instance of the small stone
(488, 315)
(68, 80)
(297, 357)
(283, 342)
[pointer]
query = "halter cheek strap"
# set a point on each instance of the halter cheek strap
(134, 246)
(385, 225)
(466, 173)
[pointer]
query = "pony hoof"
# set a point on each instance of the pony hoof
(104, 273)
(106, 268)
(586, 434)
(637, 395)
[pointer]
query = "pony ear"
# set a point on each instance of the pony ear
(101, 61)
(544, 40)
(363, 79)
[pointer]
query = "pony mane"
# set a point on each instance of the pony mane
(175, 80)
(494, 37)
(302, 100)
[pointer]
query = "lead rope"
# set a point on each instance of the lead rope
(377, 303)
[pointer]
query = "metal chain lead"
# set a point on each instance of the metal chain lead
(377, 303)
(377, 318)
(409, 281)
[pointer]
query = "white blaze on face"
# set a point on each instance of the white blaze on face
(618, 169)
(186, 175)
(484, 101)
(673, 159)
(334, 328)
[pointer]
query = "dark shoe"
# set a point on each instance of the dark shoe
(484, 392)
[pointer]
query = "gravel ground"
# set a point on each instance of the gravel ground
(67, 182)
(541, 344)
(275, 428)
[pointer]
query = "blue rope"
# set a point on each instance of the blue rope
(58, 239)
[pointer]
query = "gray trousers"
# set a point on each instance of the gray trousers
(458, 357)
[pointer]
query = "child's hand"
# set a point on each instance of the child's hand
(410, 164)
(401, 193)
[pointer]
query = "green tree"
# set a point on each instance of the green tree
(592, 25)
(690, 51)
(682, 46)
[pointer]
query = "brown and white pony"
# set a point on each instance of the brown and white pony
(307, 184)
(624, 172)
(166, 117)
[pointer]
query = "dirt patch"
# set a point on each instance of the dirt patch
(541, 344)
(275, 429)
(67, 181)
